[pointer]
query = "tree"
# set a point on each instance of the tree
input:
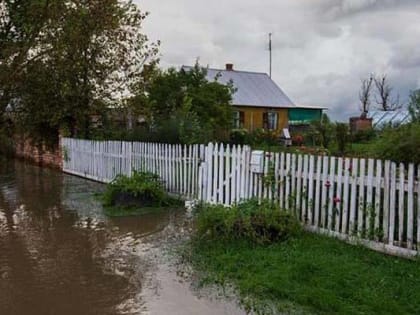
(322, 131)
(342, 136)
(201, 108)
(22, 23)
(414, 106)
(384, 99)
(89, 56)
(365, 95)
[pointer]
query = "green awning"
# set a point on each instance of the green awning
(304, 115)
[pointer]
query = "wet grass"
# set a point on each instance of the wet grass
(310, 274)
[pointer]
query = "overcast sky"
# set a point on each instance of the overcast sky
(321, 48)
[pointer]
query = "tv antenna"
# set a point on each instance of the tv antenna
(270, 50)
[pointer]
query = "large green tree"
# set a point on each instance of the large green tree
(81, 57)
(200, 108)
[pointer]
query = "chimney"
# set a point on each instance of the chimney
(229, 66)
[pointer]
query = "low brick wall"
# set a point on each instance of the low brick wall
(38, 154)
(360, 124)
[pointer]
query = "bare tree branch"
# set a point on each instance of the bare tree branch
(384, 97)
(365, 94)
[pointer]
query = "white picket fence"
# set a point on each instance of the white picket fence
(176, 165)
(373, 202)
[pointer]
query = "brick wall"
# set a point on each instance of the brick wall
(39, 154)
(360, 124)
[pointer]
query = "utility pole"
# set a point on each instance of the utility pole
(270, 49)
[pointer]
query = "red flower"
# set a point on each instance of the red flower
(328, 184)
(337, 200)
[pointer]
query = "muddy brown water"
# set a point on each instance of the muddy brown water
(59, 254)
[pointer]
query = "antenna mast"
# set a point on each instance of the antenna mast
(270, 49)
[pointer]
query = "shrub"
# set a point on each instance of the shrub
(400, 144)
(141, 187)
(364, 136)
(342, 136)
(256, 222)
(239, 136)
(264, 137)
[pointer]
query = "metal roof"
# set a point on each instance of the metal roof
(385, 118)
(253, 88)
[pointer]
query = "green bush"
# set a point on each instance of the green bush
(364, 136)
(342, 137)
(250, 220)
(141, 187)
(239, 136)
(400, 144)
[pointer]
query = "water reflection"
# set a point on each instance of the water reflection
(59, 254)
(55, 246)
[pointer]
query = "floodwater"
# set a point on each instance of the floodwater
(59, 254)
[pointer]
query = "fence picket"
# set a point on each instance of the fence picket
(353, 197)
(401, 205)
(378, 191)
(299, 186)
(304, 213)
(311, 189)
(392, 205)
(318, 190)
(369, 199)
(324, 187)
(345, 204)
(282, 181)
(338, 198)
(385, 198)
(410, 206)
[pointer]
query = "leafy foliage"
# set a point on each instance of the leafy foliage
(249, 220)
(141, 186)
(342, 136)
(414, 106)
(363, 136)
(200, 108)
(322, 132)
(67, 60)
(400, 144)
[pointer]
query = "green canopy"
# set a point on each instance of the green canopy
(304, 115)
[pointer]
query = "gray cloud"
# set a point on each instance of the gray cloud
(321, 48)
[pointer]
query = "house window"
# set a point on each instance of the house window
(270, 120)
(238, 119)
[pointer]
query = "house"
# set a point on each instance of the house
(259, 103)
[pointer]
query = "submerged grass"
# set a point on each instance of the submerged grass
(310, 274)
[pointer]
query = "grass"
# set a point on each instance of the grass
(310, 274)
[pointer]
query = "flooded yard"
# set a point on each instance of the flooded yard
(59, 254)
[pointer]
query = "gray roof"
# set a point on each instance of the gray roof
(385, 118)
(253, 88)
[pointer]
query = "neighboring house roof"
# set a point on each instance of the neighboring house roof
(384, 118)
(253, 88)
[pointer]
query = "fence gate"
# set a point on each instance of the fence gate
(225, 174)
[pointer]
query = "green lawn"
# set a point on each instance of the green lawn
(312, 274)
